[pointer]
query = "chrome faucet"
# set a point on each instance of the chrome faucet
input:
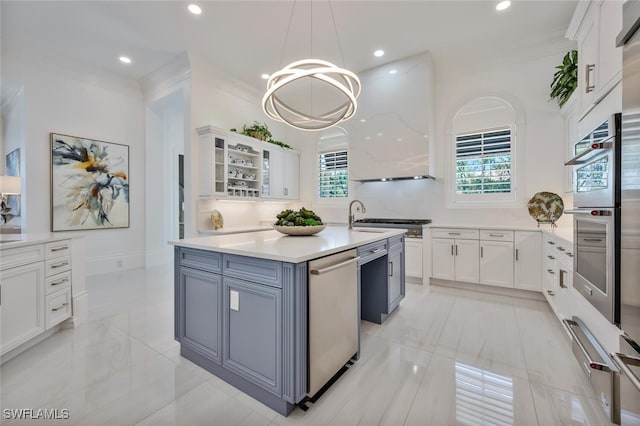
(351, 215)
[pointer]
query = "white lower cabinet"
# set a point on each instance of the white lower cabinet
(528, 261)
(413, 257)
(22, 292)
(496, 263)
(455, 259)
(557, 271)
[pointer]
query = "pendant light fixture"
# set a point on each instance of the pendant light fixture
(343, 82)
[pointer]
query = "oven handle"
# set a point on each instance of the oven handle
(590, 212)
(593, 148)
(621, 362)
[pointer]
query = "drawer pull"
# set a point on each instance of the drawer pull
(593, 240)
(551, 293)
(64, 305)
(451, 249)
(569, 254)
(588, 87)
(60, 248)
(454, 233)
(59, 265)
(516, 255)
(560, 248)
(62, 281)
(378, 250)
(496, 235)
(390, 269)
(551, 271)
(551, 242)
(550, 257)
(456, 249)
(481, 251)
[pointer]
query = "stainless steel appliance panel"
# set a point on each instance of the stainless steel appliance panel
(628, 383)
(333, 316)
(630, 169)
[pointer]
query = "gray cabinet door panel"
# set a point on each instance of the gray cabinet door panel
(396, 277)
(262, 271)
(252, 333)
(200, 259)
(199, 322)
(372, 251)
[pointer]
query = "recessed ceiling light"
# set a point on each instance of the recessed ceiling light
(363, 120)
(379, 134)
(265, 76)
(393, 71)
(503, 5)
(399, 139)
(368, 138)
(195, 9)
(378, 53)
(125, 60)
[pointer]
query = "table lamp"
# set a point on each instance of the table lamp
(9, 185)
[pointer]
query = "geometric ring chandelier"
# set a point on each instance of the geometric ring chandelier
(345, 82)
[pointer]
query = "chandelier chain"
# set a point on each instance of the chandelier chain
(286, 37)
(335, 29)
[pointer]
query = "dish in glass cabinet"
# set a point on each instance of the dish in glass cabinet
(546, 207)
(299, 230)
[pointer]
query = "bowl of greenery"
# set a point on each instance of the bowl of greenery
(301, 222)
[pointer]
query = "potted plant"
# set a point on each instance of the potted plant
(260, 131)
(565, 79)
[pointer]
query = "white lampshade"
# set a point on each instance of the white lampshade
(9, 185)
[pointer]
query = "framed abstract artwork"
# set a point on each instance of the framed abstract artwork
(12, 163)
(89, 184)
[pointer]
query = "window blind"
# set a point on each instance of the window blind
(483, 162)
(333, 174)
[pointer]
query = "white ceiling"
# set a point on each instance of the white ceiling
(244, 39)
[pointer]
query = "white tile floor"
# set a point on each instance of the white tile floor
(446, 357)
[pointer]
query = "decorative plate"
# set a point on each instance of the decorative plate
(546, 207)
(299, 230)
(216, 219)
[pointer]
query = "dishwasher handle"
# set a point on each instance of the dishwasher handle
(333, 267)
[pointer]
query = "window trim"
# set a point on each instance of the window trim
(332, 200)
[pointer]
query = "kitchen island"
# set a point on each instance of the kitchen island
(248, 311)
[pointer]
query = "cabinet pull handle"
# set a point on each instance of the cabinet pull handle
(496, 235)
(588, 87)
(562, 284)
(593, 240)
(378, 250)
(551, 271)
(551, 293)
(481, 251)
(551, 242)
(59, 265)
(59, 307)
(456, 249)
(550, 257)
(560, 248)
(62, 281)
(332, 267)
(451, 249)
(454, 233)
(516, 255)
(570, 254)
(60, 248)
(390, 269)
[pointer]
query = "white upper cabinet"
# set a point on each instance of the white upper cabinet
(594, 26)
(280, 172)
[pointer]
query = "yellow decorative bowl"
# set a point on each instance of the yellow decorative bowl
(299, 230)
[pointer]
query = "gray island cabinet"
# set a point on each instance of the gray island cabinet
(242, 303)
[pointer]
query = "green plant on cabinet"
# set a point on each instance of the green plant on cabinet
(565, 79)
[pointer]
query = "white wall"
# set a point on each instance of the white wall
(67, 98)
(523, 81)
(12, 133)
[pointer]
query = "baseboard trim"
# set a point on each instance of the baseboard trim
(482, 288)
(120, 262)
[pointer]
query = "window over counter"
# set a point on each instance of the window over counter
(483, 161)
(333, 174)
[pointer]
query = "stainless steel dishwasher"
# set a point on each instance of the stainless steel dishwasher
(333, 316)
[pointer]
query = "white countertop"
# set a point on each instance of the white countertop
(276, 246)
(8, 241)
(235, 230)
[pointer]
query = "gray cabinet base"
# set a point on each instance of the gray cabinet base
(267, 398)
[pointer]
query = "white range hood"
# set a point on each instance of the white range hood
(389, 136)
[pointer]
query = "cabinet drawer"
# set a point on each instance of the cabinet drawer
(200, 259)
(489, 235)
(57, 265)
(10, 258)
(261, 271)
(466, 234)
(396, 241)
(58, 282)
(372, 251)
(57, 249)
(58, 307)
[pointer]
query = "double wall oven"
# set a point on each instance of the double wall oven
(596, 222)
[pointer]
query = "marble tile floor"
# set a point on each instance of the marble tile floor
(446, 357)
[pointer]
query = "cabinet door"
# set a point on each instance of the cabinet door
(396, 279)
(588, 67)
(212, 161)
(413, 258)
(252, 333)
(199, 312)
(22, 298)
(610, 56)
(496, 263)
(291, 172)
(528, 260)
(565, 283)
(442, 257)
(272, 172)
(467, 260)
(550, 283)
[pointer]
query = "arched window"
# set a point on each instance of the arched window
(484, 146)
